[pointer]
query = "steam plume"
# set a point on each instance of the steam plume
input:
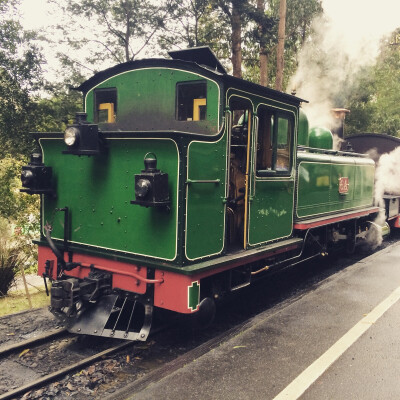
(345, 39)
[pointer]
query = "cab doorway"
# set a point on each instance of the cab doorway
(239, 155)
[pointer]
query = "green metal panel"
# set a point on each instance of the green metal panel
(271, 210)
(342, 201)
(365, 174)
(318, 184)
(205, 208)
(302, 138)
(146, 101)
(98, 190)
(320, 138)
(313, 188)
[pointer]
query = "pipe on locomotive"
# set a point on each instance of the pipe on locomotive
(69, 266)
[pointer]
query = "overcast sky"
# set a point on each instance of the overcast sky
(356, 15)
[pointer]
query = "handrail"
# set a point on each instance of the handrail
(117, 271)
(189, 181)
(332, 152)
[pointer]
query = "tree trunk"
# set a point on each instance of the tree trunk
(281, 46)
(126, 44)
(263, 68)
(263, 50)
(236, 41)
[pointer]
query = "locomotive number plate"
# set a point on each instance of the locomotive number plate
(343, 185)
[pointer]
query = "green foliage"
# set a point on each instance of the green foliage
(19, 221)
(58, 111)
(374, 96)
(16, 252)
(20, 75)
(8, 257)
(185, 27)
(261, 29)
(19, 209)
(120, 29)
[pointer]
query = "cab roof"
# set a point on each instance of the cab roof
(199, 60)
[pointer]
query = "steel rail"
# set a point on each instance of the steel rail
(29, 342)
(62, 372)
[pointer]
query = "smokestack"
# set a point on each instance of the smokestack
(339, 115)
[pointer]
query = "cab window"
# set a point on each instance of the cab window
(191, 101)
(275, 132)
(105, 106)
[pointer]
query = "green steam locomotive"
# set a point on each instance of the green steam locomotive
(180, 183)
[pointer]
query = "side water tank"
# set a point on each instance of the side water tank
(321, 138)
(302, 138)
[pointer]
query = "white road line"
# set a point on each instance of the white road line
(297, 387)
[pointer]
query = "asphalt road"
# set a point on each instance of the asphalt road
(338, 340)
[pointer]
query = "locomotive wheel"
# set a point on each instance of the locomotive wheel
(206, 313)
(351, 241)
(203, 318)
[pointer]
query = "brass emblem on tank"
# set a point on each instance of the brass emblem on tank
(343, 185)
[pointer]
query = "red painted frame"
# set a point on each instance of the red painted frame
(326, 221)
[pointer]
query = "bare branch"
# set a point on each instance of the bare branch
(110, 28)
(114, 55)
(77, 62)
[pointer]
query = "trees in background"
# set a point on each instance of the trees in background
(260, 58)
(20, 76)
(373, 96)
(242, 33)
(281, 45)
(111, 30)
(187, 25)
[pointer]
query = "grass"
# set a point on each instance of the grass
(17, 301)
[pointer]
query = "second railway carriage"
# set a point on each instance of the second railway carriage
(180, 183)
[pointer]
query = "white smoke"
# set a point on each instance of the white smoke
(387, 176)
(346, 38)
(387, 181)
(337, 142)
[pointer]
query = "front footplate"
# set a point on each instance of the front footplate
(116, 317)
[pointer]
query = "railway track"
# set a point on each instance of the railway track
(6, 350)
(62, 372)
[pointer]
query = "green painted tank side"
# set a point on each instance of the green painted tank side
(318, 184)
(98, 190)
(271, 211)
(146, 101)
(320, 138)
(303, 139)
(205, 214)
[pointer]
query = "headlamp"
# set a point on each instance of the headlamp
(142, 187)
(71, 136)
(26, 177)
(36, 178)
(82, 138)
(151, 185)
